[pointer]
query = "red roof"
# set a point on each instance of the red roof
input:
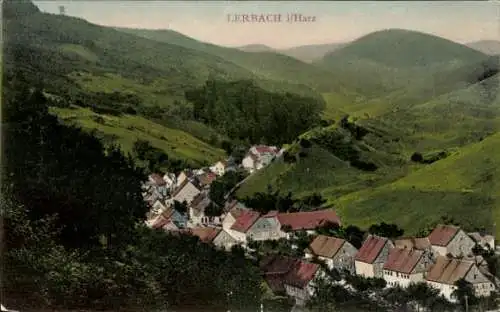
(442, 235)
(308, 220)
(163, 219)
(158, 179)
(262, 149)
(205, 234)
(245, 220)
(371, 248)
(281, 270)
(402, 260)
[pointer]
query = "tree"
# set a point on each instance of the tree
(181, 207)
(464, 293)
(386, 230)
(417, 157)
(213, 210)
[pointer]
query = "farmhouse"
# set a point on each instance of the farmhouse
(225, 240)
(205, 234)
(406, 266)
(485, 241)
(266, 227)
(337, 253)
(258, 157)
(219, 168)
(372, 255)
(242, 224)
(448, 239)
(307, 221)
(291, 276)
(186, 192)
(169, 220)
(444, 274)
(234, 210)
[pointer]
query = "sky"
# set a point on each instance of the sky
(342, 21)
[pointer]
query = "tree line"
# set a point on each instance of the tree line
(244, 111)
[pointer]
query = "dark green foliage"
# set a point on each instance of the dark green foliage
(351, 233)
(417, 157)
(221, 186)
(465, 292)
(155, 158)
(428, 158)
(386, 230)
(244, 111)
(214, 210)
(344, 147)
(181, 207)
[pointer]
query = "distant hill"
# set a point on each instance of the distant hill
(256, 48)
(268, 64)
(393, 60)
(491, 47)
(305, 53)
(398, 48)
(310, 53)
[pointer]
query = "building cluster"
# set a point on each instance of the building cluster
(440, 259)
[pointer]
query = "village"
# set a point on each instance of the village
(441, 259)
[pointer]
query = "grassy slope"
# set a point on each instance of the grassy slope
(127, 129)
(460, 186)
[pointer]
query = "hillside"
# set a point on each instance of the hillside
(268, 64)
(458, 186)
(460, 128)
(313, 52)
(116, 73)
(398, 48)
(392, 60)
(491, 47)
(256, 48)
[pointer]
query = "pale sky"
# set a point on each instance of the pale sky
(335, 21)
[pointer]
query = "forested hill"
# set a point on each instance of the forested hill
(243, 111)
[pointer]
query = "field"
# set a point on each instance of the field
(127, 129)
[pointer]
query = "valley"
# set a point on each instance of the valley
(407, 91)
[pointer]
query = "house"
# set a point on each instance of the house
(444, 274)
(186, 192)
(224, 240)
(372, 255)
(234, 210)
(290, 276)
(169, 220)
(219, 168)
(485, 241)
(204, 180)
(258, 157)
(306, 220)
(205, 234)
(170, 180)
(183, 176)
(267, 227)
(405, 266)
(418, 243)
(157, 179)
(243, 223)
(337, 253)
(448, 239)
(196, 209)
(157, 208)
